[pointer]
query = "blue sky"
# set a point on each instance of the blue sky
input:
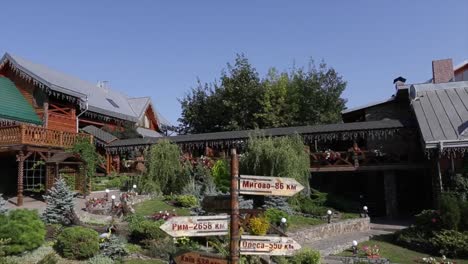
(160, 48)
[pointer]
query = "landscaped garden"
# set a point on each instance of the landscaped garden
(173, 185)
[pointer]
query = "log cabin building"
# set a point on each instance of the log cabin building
(43, 111)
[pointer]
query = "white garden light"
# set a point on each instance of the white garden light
(283, 220)
(113, 197)
(355, 243)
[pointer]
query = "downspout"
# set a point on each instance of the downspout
(439, 174)
(78, 116)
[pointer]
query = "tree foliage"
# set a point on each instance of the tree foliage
(164, 168)
(60, 205)
(279, 157)
(242, 100)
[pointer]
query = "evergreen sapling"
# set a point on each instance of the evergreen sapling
(60, 204)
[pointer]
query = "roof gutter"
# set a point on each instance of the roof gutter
(78, 116)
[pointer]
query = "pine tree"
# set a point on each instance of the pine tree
(60, 204)
(3, 208)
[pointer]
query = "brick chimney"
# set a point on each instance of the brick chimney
(442, 71)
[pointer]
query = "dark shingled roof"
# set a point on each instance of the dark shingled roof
(100, 134)
(325, 131)
(442, 113)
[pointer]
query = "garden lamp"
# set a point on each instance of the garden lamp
(134, 186)
(329, 215)
(113, 200)
(365, 210)
(107, 195)
(283, 224)
(354, 247)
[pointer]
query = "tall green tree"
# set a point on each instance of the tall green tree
(241, 100)
(164, 173)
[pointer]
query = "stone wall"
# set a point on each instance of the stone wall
(318, 232)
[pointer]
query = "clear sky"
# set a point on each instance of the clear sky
(159, 48)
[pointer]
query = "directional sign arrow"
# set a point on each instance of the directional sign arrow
(200, 258)
(217, 225)
(268, 245)
(262, 185)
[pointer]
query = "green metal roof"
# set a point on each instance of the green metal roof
(14, 106)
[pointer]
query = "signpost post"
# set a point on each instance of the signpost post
(262, 185)
(192, 226)
(268, 245)
(235, 237)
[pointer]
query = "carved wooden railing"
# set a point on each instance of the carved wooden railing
(38, 136)
(353, 159)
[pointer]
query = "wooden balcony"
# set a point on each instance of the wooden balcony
(330, 161)
(38, 136)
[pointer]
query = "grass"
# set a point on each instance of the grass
(395, 253)
(299, 221)
(155, 205)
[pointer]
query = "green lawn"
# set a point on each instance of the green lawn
(299, 221)
(152, 206)
(395, 253)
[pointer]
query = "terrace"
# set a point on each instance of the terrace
(38, 136)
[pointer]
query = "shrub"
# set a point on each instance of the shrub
(50, 258)
(161, 248)
(259, 225)
(24, 230)
(118, 182)
(428, 219)
(221, 175)
(449, 212)
(275, 215)
(414, 238)
(453, 243)
(78, 243)
(306, 256)
(3, 208)
(100, 259)
(114, 248)
(187, 201)
(463, 216)
(143, 229)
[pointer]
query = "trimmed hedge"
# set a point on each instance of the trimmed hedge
(78, 243)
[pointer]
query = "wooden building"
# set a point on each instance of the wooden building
(44, 111)
(393, 155)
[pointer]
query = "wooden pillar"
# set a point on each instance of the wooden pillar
(390, 188)
(108, 164)
(20, 160)
(45, 118)
(235, 237)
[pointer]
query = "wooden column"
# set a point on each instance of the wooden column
(20, 160)
(108, 164)
(390, 188)
(45, 118)
(235, 237)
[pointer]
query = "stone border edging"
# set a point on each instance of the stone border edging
(323, 231)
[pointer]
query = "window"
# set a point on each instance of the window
(112, 103)
(147, 122)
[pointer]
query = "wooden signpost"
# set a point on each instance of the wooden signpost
(262, 185)
(268, 245)
(217, 225)
(200, 258)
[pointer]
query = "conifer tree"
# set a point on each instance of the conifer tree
(3, 208)
(60, 205)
